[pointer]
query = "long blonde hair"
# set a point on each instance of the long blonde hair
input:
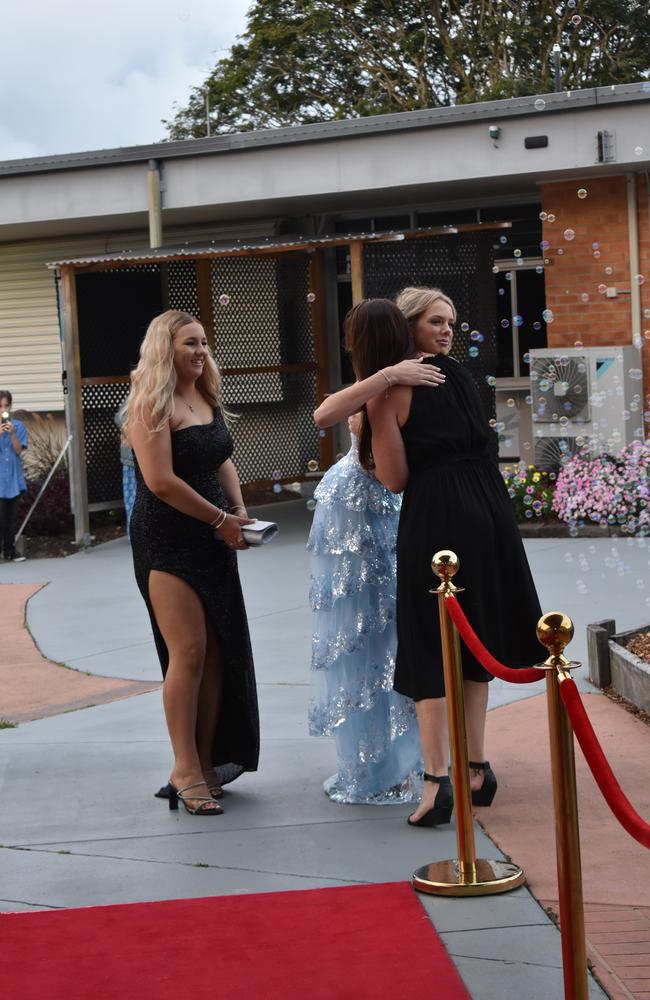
(151, 399)
(414, 302)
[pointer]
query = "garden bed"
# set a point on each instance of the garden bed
(619, 663)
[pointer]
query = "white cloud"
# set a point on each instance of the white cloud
(76, 76)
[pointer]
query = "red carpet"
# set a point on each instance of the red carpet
(350, 943)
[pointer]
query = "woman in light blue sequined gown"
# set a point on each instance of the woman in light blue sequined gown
(352, 596)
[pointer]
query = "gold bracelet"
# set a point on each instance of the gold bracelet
(219, 520)
(382, 372)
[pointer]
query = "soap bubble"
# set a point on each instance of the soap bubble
(491, 380)
(312, 465)
(510, 402)
(548, 316)
(224, 300)
(550, 217)
(539, 104)
(638, 150)
(311, 297)
(543, 216)
(518, 320)
(311, 505)
(277, 488)
(569, 234)
(505, 323)
(595, 246)
(602, 289)
(526, 358)
(473, 352)
(517, 253)
(495, 269)
(597, 254)
(322, 433)
(578, 343)
(492, 423)
(635, 373)
(560, 252)
(582, 192)
(609, 269)
(646, 334)
(475, 335)
(277, 474)
(508, 275)
(584, 297)
(464, 327)
(537, 325)
(503, 239)
(638, 279)
(539, 269)
(576, 20)
(544, 245)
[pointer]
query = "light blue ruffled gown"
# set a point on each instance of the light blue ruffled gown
(353, 579)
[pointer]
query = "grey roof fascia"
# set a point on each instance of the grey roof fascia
(330, 130)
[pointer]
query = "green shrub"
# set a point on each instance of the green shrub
(530, 489)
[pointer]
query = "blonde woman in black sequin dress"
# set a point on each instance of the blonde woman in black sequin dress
(185, 533)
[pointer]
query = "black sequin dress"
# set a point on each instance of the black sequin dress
(162, 538)
(456, 499)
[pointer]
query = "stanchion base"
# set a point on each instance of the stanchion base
(444, 878)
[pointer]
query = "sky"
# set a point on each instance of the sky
(77, 76)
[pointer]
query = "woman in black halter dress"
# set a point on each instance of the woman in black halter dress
(434, 445)
(184, 536)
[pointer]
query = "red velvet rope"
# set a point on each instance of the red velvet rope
(524, 676)
(602, 772)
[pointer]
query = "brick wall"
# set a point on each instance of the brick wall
(572, 277)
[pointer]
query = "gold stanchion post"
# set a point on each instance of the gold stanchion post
(555, 631)
(465, 875)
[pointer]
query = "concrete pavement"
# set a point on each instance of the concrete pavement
(80, 825)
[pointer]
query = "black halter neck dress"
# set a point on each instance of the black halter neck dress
(162, 538)
(456, 499)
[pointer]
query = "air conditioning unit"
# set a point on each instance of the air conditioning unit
(586, 397)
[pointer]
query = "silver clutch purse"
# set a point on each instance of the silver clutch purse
(260, 532)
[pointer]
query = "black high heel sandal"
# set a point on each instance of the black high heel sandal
(206, 804)
(484, 795)
(443, 804)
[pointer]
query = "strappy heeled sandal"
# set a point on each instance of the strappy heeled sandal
(443, 804)
(484, 795)
(216, 791)
(206, 806)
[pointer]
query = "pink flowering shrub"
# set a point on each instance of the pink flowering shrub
(607, 489)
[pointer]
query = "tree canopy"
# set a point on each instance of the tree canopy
(302, 61)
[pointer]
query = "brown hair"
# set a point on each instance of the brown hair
(5, 394)
(376, 335)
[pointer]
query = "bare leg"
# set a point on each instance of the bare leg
(434, 739)
(181, 620)
(476, 699)
(210, 698)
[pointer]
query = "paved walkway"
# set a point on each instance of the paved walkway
(80, 825)
(615, 868)
(32, 687)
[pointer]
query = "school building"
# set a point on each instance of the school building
(532, 213)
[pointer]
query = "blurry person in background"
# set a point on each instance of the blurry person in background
(128, 474)
(13, 440)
